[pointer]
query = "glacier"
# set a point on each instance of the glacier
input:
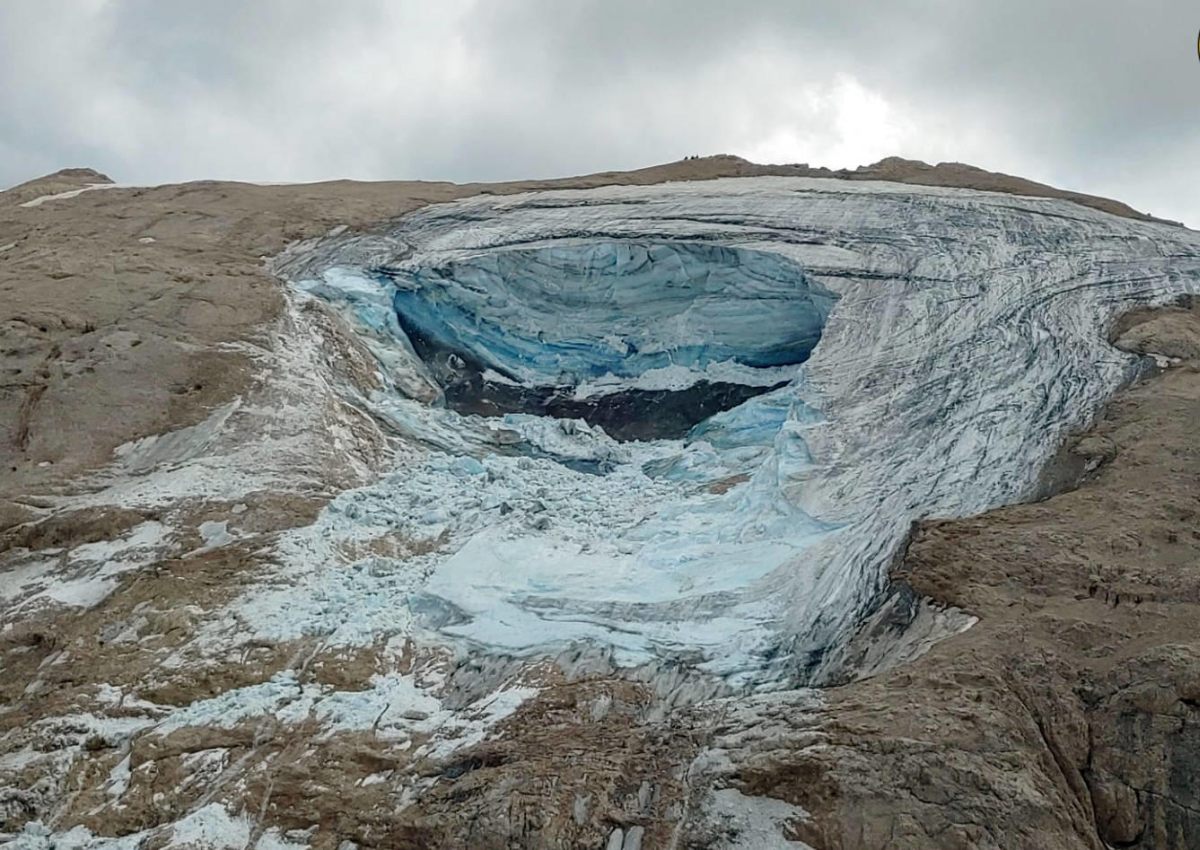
(690, 424)
(591, 309)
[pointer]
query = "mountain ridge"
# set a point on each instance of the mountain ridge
(181, 425)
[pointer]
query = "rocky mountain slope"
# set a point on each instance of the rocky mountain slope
(525, 515)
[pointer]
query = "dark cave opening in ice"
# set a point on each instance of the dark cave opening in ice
(643, 340)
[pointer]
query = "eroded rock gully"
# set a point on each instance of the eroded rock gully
(186, 426)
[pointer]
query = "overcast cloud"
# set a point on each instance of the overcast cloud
(1100, 96)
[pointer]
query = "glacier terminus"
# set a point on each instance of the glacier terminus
(690, 424)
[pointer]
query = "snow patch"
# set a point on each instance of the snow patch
(72, 193)
(215, 535)
(118, 778)
(752, 823)
(81, 577)
(394, 706)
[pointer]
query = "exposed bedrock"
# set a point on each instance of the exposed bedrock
(830, 362)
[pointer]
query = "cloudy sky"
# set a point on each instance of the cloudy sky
(1101, 96)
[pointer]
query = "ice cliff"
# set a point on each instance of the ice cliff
(690, 424)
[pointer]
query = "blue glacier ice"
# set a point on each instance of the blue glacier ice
(562, 314)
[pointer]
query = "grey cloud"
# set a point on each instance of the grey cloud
(1099, 97)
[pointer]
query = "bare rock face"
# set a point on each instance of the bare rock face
(179, 430)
